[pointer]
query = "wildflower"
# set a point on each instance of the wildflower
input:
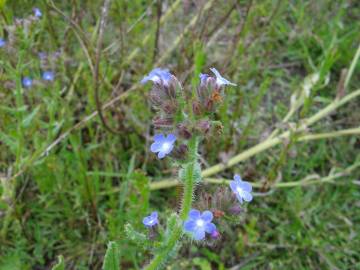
(203, 78)
(241, 189)
(2, 42)
(37, 12)
(220, 80)
(159, 76)
(163, 145)
(26, 82)
(42, 55)
(197, 224)
(48, 75)
(151, 220)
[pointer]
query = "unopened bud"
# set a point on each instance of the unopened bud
(215, 234)
(203, 126)
(235, 209)
(183, 131)
(159, 122)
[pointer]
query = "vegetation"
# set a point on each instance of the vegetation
(75, 162)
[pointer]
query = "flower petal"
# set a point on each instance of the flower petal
(189, 226)
(161, 154)
(246, 186)
(168, 150)
(233, 186)
(171, 138)
(220, 80)
(199, 234)
(210, 227)
(239, 197)
(155, 147)
(154, 214)
(146, 221)
(207, 216)
(237, 177)
(194, 214)
(247, 196)
(159, 137)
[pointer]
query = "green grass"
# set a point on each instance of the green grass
(73, 198)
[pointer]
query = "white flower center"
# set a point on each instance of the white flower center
(200, 223)
(240, 191)
(166, 146)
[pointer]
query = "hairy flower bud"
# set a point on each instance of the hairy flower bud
(166, 122)
(203, 126)
(196, 107)
(183, 131)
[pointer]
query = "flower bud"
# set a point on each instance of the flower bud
(159, 122)
(180, 152)
(235, 209)
(183, 131)
(215, 235)
(196, 107)
(203, 126)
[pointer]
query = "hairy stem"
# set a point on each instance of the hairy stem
(189, 185)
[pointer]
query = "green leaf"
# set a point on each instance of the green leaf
(112, 258)
(28, 120)
(60, 265)
(2, 4)
(133, 235)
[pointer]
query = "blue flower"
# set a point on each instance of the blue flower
(241, 189)
(26, 82)
(197, 224)
(163, 145)
(48, 75)
(37, 12)
(2, 42)
(151, 220)
(42, 55)
(203, 78)
(220, 80)
(158, 75)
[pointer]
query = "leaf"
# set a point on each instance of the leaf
(135, 236)
(60, 265)
(202, 263)
(2, 4)
(112, 258)
(28, 120)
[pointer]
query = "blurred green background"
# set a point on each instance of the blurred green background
(68, 185)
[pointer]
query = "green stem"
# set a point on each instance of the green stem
(189, 186)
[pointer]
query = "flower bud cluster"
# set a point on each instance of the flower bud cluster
(175, 106)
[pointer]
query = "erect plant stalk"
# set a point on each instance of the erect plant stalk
(189, 186)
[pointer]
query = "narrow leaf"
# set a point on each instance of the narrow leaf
(112, 258)
(60, 265)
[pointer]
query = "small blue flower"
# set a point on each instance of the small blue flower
(163, 145)
(48, 75)
(2, 42)
(197, 224)
(37, 12)
(151, 220)
(158, 75)
(203, 78)
(26, 82)
(241, 189)
(42, 55)
(220, 80)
